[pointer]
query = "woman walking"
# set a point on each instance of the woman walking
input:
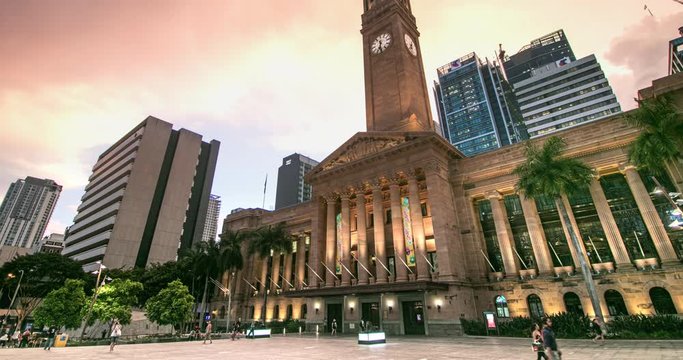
(537, 342)
(115, 334)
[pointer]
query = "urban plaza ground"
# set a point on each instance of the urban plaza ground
(346, 347)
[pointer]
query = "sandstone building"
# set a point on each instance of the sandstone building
(406, 232)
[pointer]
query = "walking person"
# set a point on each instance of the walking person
(51, 332)
(537, 342)
(334, 326)
(599, 328)
(236, 328)
(115, 334)
(25, 337)
(207, 334)
(549, 341)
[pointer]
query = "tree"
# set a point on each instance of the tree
(546, 172)
(115, 300)
(63, 307)
(205, 257)
(171, 306)
(266, 240)
(157, 277)
(232, 259)
(43, 273)
(660, 144)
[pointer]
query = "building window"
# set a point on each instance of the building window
(388, 217)
(423, 207)
(661, 300)
(573, 304)
(304, 311)
(502, 307)
(535, 306)
(615, 303)
(276, 312)
(371, 220)
(288, 316)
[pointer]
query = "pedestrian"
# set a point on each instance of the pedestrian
(334, 326)
(25, 336)
(207, 334)
(537, 342)
(104, 334)
(362, 325)
(115, 334)
(197, 333)
(599, 329)
(251, 330)
(549, 341)
(51, 332)
(236, 329)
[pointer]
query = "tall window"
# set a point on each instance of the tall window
(276, 312)
(661, 300)
(535, 306)
(615, 303)
(502, 307)
(573, 304)
(304, 311)
(288, 316)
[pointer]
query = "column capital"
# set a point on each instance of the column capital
(493, 194)
(624, 167)
(330, 198)
(345, 195)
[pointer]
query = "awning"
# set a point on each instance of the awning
(368, 289)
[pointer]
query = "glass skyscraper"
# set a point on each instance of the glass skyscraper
(477, 109)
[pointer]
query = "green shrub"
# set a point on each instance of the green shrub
(646, 327)
(473, 327)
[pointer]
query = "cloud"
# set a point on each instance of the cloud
(641, 52)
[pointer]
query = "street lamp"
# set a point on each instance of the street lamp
(12, 276)
(94, 298)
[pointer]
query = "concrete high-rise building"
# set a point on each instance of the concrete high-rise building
(477, 110)
(211, 224)
(26, 210)
(554, 90)
(676, 53)
(292, 189)
(54, 243)
(146, 198)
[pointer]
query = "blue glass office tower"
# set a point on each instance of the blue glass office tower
(476, 106)
(676, 53)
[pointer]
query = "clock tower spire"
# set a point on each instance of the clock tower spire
(396, 97)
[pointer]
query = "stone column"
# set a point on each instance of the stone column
(345, 239)
(361, 231)
(504, 234)
(652, 221)
(575, 226)
(609, 226)
(264, 275)
(287, 269)
(539, 243)
(330, 248)
(318, 242)
(450, 249)
(275, 273)
(397, 232)
(378, 230)
(300, 263)
(423, 269)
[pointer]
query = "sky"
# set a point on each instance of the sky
(266, 78)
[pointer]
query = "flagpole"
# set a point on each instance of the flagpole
(265, 184)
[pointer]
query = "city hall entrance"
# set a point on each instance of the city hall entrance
(334, 311)
(370, 314)
(413, 317)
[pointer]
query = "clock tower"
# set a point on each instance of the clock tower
(396, 97)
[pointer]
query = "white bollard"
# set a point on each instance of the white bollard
(316, 330)
(299, 330)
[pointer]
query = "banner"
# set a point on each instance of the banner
(408, 232)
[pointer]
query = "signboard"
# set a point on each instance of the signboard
(490, 321)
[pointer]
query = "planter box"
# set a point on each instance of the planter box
(369, 338)
(564, 270)
(258, 334)
(604, 267)
(643, 264)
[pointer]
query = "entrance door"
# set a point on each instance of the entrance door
(334, 311)
(370, 313)
(413, 318)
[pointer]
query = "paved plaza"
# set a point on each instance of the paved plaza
(345, 347)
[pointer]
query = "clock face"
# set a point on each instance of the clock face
(410, 44)
(381, 43)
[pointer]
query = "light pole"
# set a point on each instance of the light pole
(94, 298)
(11, 276)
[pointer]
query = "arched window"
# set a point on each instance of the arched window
(502, 307)
(573, 304)
(288, 316)
(535, 306)
(276, 312)
(661, 300)
(615, 303)
(304, 311)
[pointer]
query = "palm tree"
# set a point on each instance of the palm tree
(205, 257)
(231, 258)
(660, 144)
(546, 172)
(266, 240)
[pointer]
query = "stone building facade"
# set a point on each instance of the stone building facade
(407, 233)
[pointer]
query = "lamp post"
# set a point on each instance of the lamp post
(15, 293)
(94, 298)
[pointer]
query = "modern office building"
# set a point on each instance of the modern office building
(554, 90)
(405, 232)
(212, 213)
(476, 112)
(676, 53)
(54, 243)
(147, 198)
(26, 211)
(291, 187)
